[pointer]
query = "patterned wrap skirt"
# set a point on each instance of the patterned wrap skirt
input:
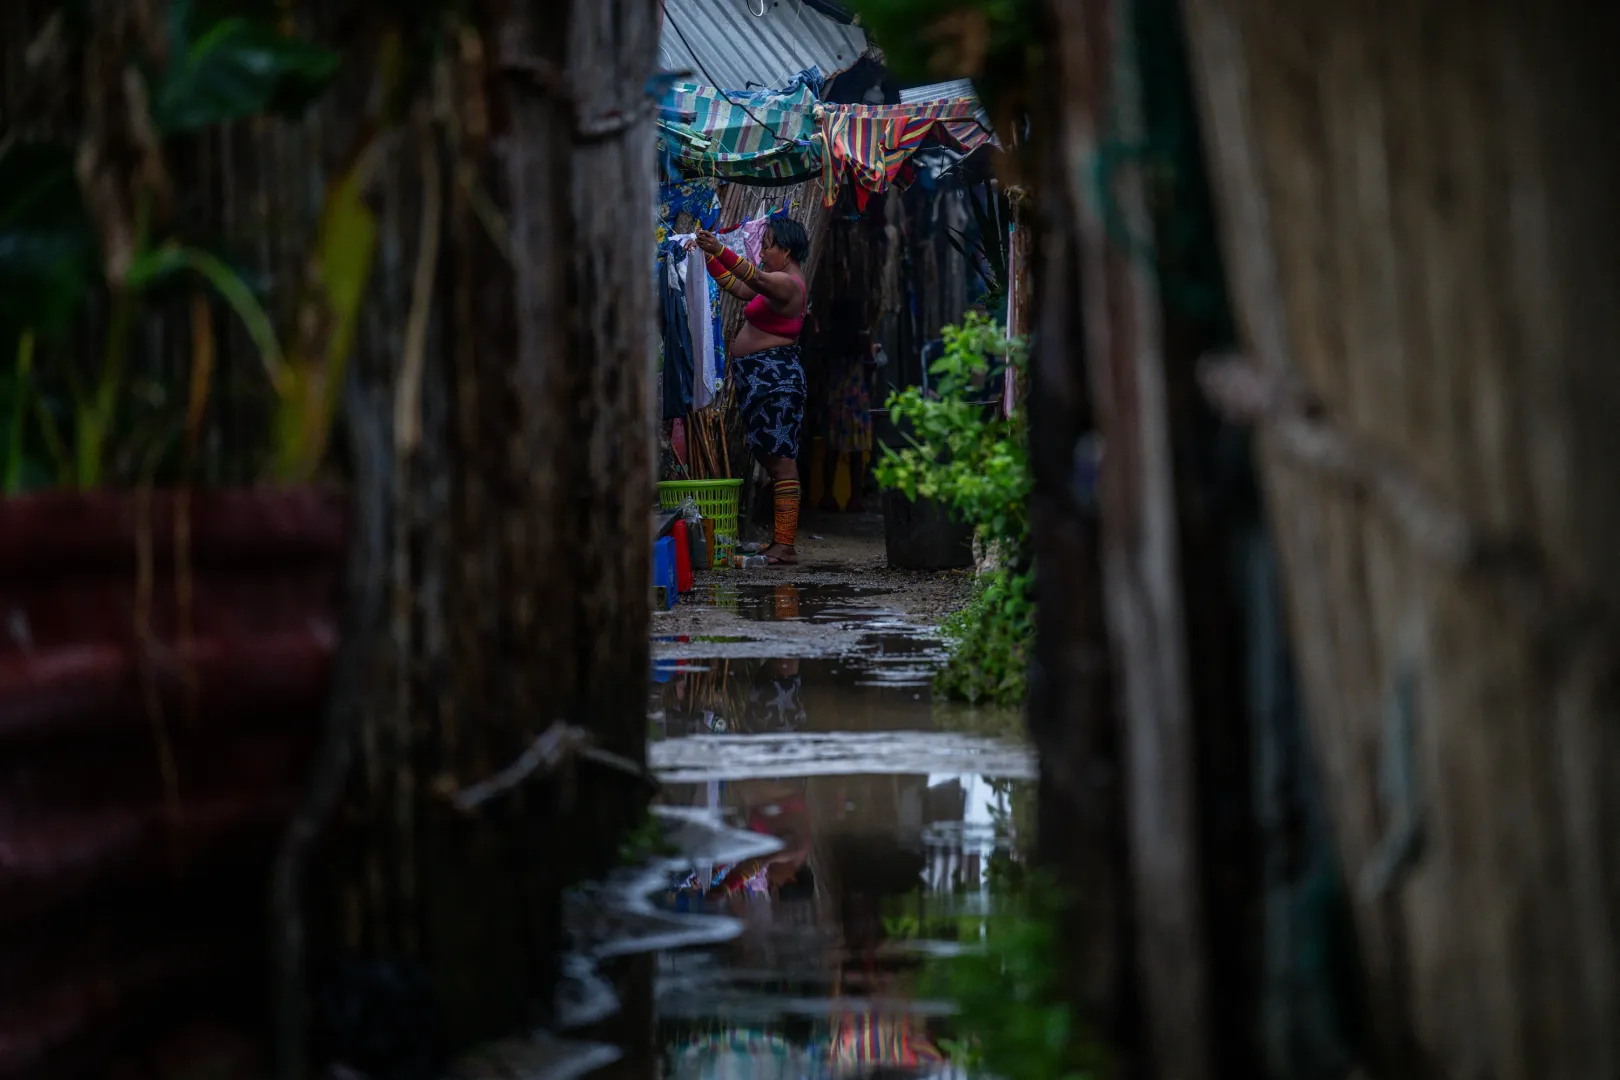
(770, 394)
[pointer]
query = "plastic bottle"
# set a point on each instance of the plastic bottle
(749, 562)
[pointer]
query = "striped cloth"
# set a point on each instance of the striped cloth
(784, 136)
(760, 137)
(869, 1038)
(871, 143)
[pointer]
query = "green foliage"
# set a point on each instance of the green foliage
(957, 453)
(990, 253)
(1011, 1022)
(989, 639)
(647, 841)
(965, 456)
(993, 42)
(232, 68)
(224, 64)
(47, 247)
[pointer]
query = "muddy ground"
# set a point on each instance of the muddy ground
(841, 591)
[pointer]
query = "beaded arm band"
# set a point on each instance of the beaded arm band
(723, 277)
(727, 264)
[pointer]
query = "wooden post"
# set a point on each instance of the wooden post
(1419, 227)
(1100, 352)
(521, 573)
(1020, 297)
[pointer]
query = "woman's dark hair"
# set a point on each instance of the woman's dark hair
(790, 236)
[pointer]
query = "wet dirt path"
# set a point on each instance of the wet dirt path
(795, 705)
(841, 590)
(832, 835)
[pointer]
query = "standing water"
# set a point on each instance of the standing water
(841, 838)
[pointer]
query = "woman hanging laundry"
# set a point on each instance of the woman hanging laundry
(765, 361)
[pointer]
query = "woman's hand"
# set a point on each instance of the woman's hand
(709, 242)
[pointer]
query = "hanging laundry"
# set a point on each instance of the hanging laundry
(702, 298)
(695, 197)
(677, 340)
(872, 143)
(747, 238)
(748, 137)
(703, 312)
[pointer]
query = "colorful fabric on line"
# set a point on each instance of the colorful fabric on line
(871, 143)
(695, 197)
(747, 238)
(770, 396)
(871, 1038)
(760, 136)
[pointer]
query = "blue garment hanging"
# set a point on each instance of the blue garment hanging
(695, 197)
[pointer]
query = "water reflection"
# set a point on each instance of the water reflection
(730, 719)
(897, 827)
(875, 876)
(779, 603)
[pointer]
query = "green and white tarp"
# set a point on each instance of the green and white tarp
(759, 138)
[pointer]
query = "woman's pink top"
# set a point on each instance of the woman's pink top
(759, 315)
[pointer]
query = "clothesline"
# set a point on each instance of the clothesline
(788, 136)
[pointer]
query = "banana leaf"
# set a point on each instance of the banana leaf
(233, 68)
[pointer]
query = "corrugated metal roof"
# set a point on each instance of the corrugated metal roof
(946, 91)
(723, 43)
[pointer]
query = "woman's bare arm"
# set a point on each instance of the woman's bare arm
(739, 290)
(709, 245)
(778, 287)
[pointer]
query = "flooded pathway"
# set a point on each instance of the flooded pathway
(841, 833)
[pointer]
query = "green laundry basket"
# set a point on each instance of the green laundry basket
(716, 500)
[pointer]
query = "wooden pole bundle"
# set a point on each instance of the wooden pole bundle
(708, 443)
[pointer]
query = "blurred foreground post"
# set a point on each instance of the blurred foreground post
(1420, 228)
(1119, 763)
(508, 515)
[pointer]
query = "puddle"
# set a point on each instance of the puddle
(890, 812)
(759, 621)
(841, 835)
(780, 603)
(877, 879)
(736, 757)
(887, 687)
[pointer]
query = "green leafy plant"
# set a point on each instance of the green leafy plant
(1011, 1022)
(959, 451)
(966, 456)
(646, 842)
(989, 639)
(309, 386)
